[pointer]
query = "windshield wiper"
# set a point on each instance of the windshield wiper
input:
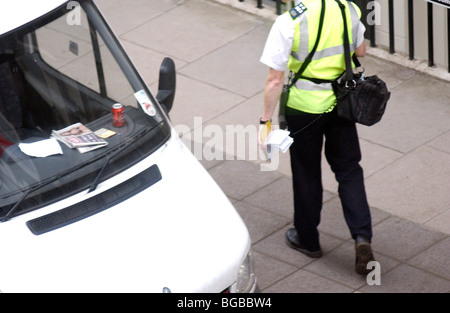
(8, 215)
(94, 184)
(112, 155)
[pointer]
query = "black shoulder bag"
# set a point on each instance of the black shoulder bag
(359, 99)
(287, 87)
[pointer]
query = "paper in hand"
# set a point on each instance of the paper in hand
(280, 139)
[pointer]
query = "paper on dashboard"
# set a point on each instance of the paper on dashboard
(41, 149)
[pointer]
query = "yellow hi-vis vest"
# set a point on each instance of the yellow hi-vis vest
(328, 61)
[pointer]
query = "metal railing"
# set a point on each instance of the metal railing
(259, 3)
(363, 4)
(371, 27)
(279, 5)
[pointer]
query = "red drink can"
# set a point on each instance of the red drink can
(118, 116)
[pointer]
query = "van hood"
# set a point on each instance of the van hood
(182, 234)
(14, 14)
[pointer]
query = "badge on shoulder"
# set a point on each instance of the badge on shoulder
(298, 10)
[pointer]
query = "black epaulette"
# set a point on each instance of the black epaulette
(298, 10)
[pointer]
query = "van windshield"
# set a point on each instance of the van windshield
(71, 106)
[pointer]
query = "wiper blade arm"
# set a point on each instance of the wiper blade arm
(96, 181)
(6, 217)
(97, 178)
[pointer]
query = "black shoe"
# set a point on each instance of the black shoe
(364, 255)
(293, 241)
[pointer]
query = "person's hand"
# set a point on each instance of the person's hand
(264, 130)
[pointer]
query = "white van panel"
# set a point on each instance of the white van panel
(146, 243)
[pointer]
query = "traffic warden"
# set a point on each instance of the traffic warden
(291, 39)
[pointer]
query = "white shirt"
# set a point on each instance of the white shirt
(279, 42)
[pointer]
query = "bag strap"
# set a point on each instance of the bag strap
(313, 51)
(306, 63)
(309, 58)
(348, 64)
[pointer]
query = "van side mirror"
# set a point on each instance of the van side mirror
(167, 84)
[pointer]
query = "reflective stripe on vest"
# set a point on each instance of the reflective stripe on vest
(331, 51)
(311, 86)
(328, 60)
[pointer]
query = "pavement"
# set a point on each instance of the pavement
(216, 46)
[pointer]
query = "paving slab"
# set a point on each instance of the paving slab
(276, 198)
(270, 270)
(440, 222)
(260, 223)
(442, 142)
(435, 259)
(196, 28)
(306, 282)
(127, 15)
(234, 66)
(402, 239)
(240, 179)
(238, 129)
(199, 103)
(415, 187)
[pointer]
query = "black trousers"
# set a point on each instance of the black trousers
(343, 153)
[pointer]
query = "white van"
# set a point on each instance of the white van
(96, 201)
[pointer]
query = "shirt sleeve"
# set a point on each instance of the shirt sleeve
(360, 35)
(361, 27)
(279, 44)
